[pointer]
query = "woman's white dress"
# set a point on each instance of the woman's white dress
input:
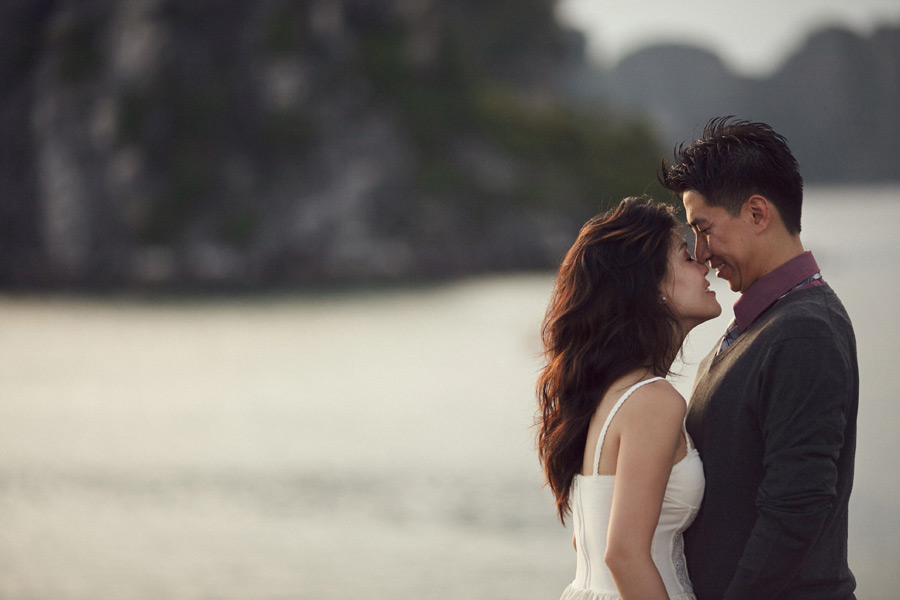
(591, 501)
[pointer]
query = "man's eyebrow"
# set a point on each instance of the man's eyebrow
(698, 222)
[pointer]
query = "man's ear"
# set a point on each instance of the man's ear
(759, 211)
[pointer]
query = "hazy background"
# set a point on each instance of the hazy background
(153, 144)
(753, 39)
(272, 273)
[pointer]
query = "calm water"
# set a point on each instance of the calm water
(370, 445)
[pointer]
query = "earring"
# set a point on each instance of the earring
(664, 299)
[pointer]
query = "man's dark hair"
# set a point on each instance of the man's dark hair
(734, 160)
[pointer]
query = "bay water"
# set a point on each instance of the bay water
(358, 444)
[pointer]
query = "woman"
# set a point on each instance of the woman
(626, 295)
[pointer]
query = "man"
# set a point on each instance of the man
(773, 410)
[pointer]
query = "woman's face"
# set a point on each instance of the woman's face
(686, 289)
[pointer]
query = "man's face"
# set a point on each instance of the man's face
(723, 240)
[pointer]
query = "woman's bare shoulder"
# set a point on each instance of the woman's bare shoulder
(658, 400)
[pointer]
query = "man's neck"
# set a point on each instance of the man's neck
(776, 251)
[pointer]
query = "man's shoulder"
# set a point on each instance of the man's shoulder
(811, 312)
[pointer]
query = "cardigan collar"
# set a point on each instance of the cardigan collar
(795, 273)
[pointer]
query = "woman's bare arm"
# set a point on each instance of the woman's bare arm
(649, 426)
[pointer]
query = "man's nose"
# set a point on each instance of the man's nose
(701, 249)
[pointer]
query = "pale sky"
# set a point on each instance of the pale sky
(751, 37)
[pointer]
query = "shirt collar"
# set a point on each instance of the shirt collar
(770, 287)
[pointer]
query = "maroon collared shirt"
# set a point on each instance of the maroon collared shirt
(769, 288)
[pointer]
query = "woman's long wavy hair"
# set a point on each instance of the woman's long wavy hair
(606, 317)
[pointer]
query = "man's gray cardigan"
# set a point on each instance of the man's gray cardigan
(774, 419)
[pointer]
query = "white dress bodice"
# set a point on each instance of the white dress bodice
(591, 500)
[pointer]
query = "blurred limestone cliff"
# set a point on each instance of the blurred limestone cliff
(173, 143)
(282, 142)
(836, 98)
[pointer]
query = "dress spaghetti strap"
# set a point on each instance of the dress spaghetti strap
(612, 413)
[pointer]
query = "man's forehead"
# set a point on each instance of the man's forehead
(692, 197)
(695, 207)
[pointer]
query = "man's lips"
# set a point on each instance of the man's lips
(719, 268)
